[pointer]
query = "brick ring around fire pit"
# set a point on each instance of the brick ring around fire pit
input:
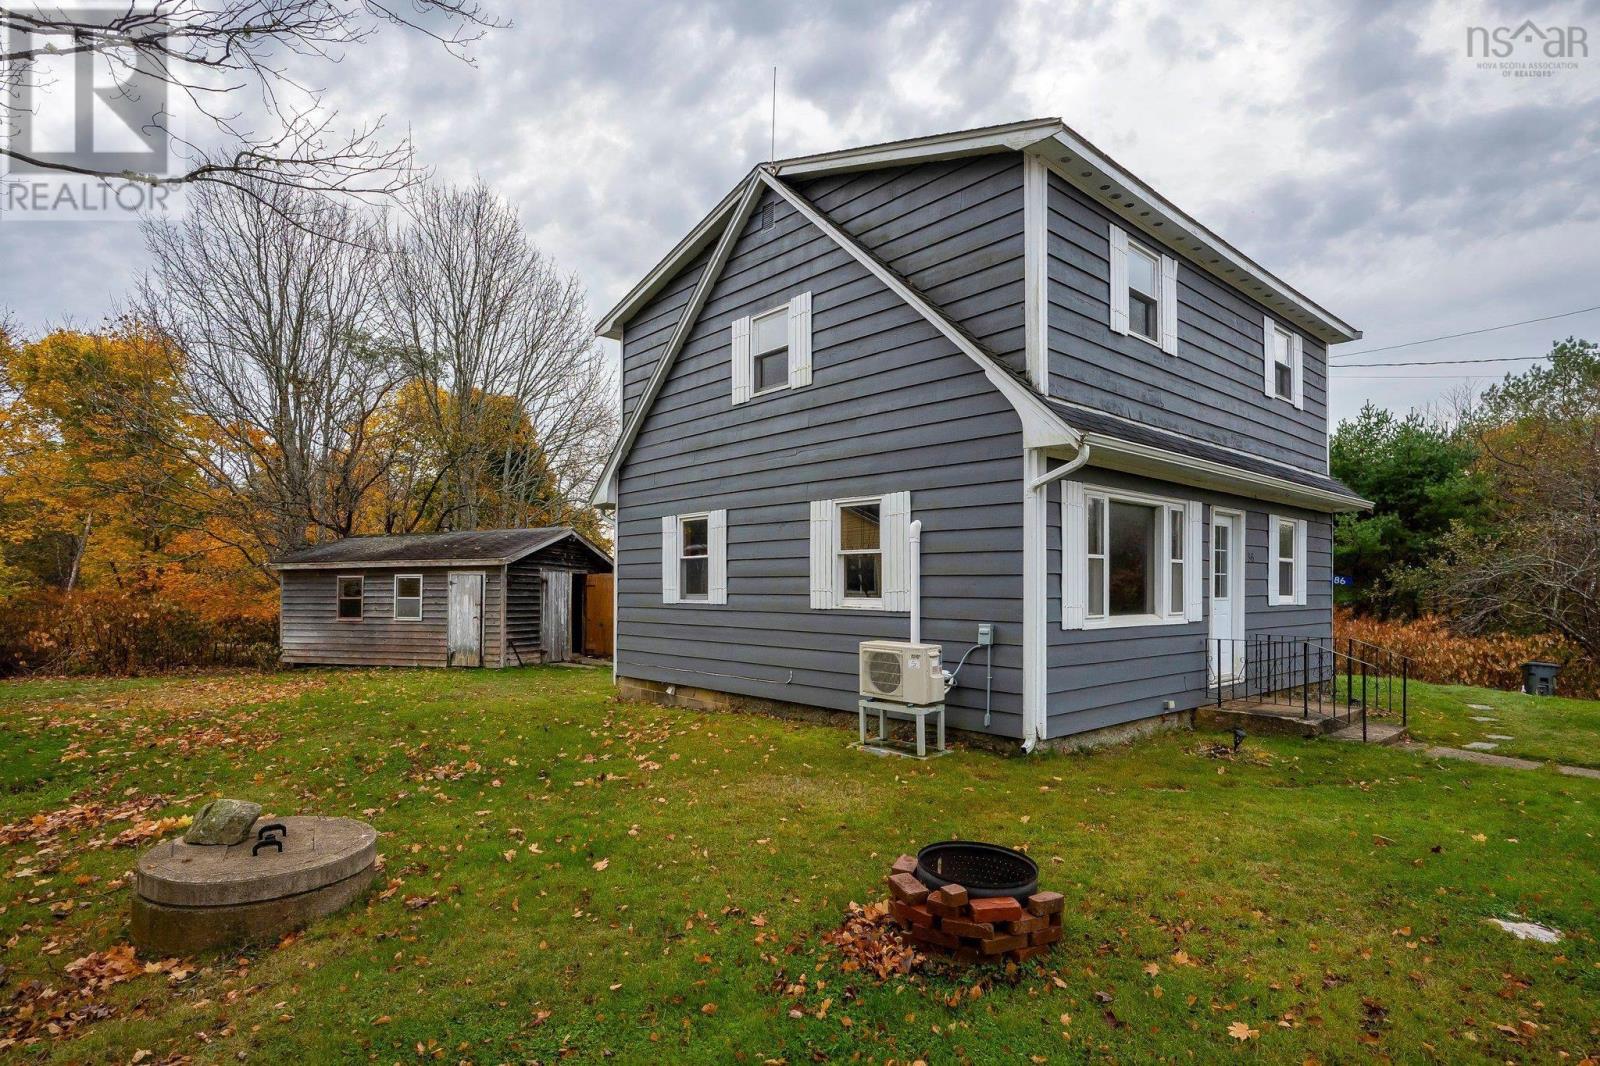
(1003, 916)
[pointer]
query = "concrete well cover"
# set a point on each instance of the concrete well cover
(317, 852)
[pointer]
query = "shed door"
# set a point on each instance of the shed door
(466, 620)
(555, 616)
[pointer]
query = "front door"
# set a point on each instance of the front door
(466, 620)
(1227, 595)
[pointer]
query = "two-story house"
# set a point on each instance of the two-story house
(1111, 424)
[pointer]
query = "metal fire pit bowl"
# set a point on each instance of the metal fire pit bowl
(984, 870)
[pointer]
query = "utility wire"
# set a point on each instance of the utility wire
(1468, 333)
(1441, 362)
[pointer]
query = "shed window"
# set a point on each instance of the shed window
(350, 597)
(408, 598)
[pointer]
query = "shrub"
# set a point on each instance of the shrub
(117, 631)
(1490, 660)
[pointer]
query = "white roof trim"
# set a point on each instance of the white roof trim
(1041, 427)
(1009, 137)
(1069, 156)
(605, 490)
(1117, 454)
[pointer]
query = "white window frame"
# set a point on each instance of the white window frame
(339, 596)
(797, 338)
(1270, 332)
(845, 600)
(395, 598)
(782, 310)
(1294, 596)
(1161, 558)
(1137, 248)
(684, 519)
(1166, 295)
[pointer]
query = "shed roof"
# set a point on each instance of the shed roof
(483, 547)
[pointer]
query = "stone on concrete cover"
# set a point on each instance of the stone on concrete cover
(1481, 745)
(224, 821)
(1528, 930)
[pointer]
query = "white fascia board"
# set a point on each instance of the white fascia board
(1041, 426)
(1070, 156)
(605, 490)
(1010, 137)
(1130, 457)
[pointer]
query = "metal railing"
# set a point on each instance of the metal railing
(1324, 677)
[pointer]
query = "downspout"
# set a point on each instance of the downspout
(1035, 498)
(914, 564)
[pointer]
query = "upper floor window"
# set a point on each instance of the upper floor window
(1284, 377)
(772, 350)
(349, 596)
(1129, 559)
(1144, 291)
(694, 558)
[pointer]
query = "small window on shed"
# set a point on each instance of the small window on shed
(408, 598)
(350, 597)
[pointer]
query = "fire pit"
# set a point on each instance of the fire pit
(986, 871)
(977, 902)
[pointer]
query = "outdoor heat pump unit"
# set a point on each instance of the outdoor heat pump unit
(898, 671)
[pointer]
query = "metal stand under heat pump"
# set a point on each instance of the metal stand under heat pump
(918, 715)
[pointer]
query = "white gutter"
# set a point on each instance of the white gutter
(1035, 653)
(914, 563)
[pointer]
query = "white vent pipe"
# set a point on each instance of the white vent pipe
(914, 565)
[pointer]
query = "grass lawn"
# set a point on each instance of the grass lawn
(1540, 727)
(567, 875)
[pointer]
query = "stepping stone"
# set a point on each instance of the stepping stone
(1480, 745)
(1498, 736)
(1480, 718)
(1479, 707)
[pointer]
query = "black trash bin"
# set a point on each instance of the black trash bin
(1539, 677)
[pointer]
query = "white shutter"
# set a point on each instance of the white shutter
(717, 549)
(1193, 565)
(1074, 556)
(1297, 360)
(800, 340)
(1301, 563)
(1169, 305)
(822, 576)
(894, 536)
(669, 559)
(741, 359)
(1268, 327)
(1272, 559)
(1119, 280)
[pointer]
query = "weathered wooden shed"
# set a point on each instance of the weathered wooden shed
(499, 597)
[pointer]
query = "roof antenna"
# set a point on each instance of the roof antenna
(772, 151)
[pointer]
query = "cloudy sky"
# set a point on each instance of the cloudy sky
(1354, 149)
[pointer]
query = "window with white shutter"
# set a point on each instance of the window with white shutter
(860, 557)
(694, 558)
(772, 350)
(1143, 291)
(1282, 375)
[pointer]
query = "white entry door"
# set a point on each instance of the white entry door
(465, 631)
(1226, 650)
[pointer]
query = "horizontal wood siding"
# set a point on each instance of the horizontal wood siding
(1102, 677)
(525, 599)
(313, 633)
(892, 406)
(952, 229)
(649, 332)
(1212, 389)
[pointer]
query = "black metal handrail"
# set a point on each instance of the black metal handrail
(1267, 667)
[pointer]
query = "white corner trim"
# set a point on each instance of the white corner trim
(1036, 269)
(1041, 427)
(605, 491)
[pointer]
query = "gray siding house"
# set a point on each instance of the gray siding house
(1111, 424)
(502, 597)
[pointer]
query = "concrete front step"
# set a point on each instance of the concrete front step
(1265, 719)
(1377, 733)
